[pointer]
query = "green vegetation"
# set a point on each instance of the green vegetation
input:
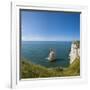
(29, 70)
(77, 43)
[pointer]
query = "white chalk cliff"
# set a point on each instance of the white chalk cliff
(75, 51)
(52, 55)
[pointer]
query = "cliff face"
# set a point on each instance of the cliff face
(75, 51)
(52, 56)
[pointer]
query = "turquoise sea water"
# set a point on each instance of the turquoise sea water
(38, 51)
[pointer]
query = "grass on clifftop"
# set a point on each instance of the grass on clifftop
(29, 70)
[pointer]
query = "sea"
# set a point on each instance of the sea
(37, 52)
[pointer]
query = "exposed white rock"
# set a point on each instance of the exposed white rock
(75, 51)
(52, 55)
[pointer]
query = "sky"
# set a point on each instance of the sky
(49, 26)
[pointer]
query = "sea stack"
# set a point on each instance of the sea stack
(75, 51)
(52, 55)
